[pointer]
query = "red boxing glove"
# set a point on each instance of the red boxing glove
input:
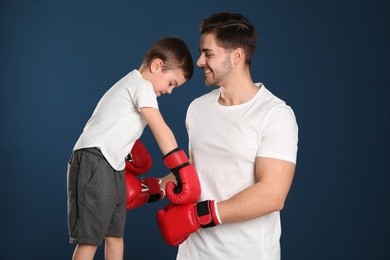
(139, 160)
(187, 189)
(139, 192)
(177, 222)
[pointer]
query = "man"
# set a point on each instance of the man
(243, 144)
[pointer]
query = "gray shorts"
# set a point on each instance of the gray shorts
(96, 198)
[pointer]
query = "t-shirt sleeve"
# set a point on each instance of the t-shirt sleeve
(144, 96)
(279, 135)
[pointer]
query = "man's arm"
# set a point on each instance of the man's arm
(168, 178)
(268, 194)
(274, 178)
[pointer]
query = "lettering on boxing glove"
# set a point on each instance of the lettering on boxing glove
(139, 192)
(178, 222)
(187, 190)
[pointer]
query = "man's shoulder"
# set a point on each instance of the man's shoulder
(207, 96)
(271, 99)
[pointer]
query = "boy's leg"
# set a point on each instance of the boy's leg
(92, 198)
(84, 252)
(114, 243)
(114, 248)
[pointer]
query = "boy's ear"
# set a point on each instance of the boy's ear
(156, 65)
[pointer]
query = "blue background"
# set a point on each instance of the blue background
(329, 60)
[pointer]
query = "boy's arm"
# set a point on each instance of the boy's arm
(186, 189)
(162, 133)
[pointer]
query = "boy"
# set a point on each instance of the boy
(96, 181)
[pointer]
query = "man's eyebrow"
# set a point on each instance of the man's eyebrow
(205, 49)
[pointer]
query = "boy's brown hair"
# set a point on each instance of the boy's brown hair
(175, 54)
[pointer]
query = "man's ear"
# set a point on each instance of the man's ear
(238, 55)
(156, 65)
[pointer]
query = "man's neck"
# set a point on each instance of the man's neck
(238, 91)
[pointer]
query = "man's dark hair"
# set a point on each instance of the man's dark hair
(231, 31)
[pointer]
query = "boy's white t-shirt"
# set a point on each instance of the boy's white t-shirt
(225, 141)
(116, 122)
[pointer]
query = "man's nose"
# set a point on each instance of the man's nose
(200, 62)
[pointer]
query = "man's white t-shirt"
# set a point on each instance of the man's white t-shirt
(225, 141)
(116, 122)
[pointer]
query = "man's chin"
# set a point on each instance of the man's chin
(209, 83)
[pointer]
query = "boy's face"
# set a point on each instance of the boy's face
(164, 81)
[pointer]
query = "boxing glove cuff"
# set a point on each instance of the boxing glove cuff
(207, 213)
(153, 187)
(175, 160)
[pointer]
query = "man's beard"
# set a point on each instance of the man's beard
(220, 74)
